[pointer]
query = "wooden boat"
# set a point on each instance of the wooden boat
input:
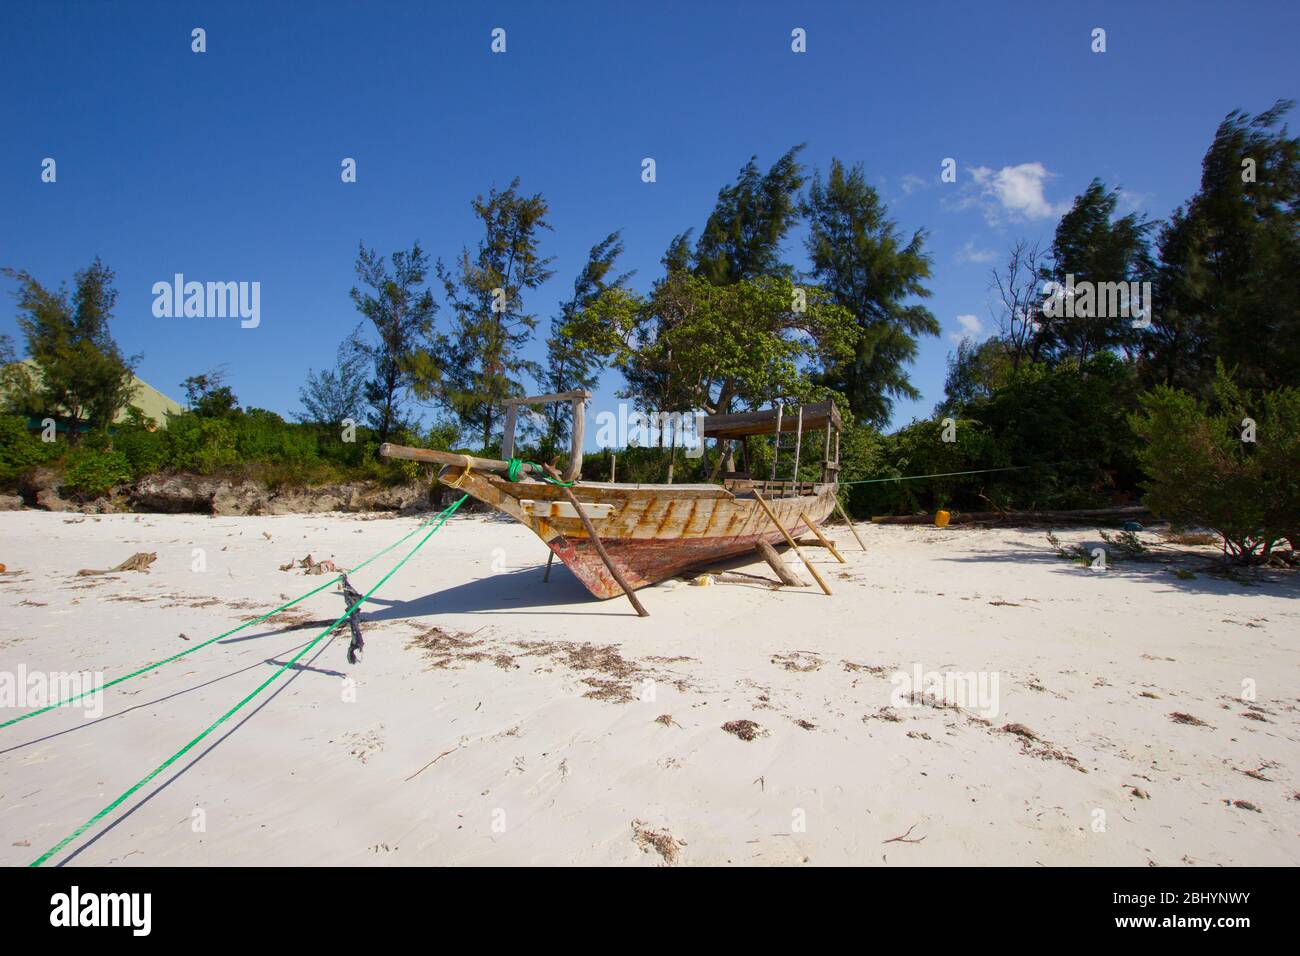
(650, 532)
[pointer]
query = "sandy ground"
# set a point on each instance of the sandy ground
(499, 720)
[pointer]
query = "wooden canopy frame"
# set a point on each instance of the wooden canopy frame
(573, 470)
(771, 422)
(774, 421)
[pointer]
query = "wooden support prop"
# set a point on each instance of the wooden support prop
(598, 545)
(790, 541)
(826, 542)
(788, 577)
(840, 508)
(550, 556)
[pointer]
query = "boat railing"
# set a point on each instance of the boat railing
(772, 489)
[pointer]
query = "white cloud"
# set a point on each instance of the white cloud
(969, 253)
(1012, 192)
(1130, 201)
(911, 184)
(971, 328)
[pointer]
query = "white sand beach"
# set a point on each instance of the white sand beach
(496, 719)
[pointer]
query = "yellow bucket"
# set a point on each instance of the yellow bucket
(941, 519)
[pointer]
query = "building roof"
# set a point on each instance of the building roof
(148, 399)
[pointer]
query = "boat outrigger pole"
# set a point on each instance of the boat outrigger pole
(572, 471)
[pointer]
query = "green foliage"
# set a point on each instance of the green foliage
(83, 375)
(208, 396)
(1094, 247)
(1070, 422)
(1078, 553)
(869, 269)
(404, 355)
(146, 449)
(920, 449)
(570, 365)
(1126, 544)
(484, 362)
(1201, 471)
(20, 388)
(975, 371)
(1228, 285)
(694, 345)
(742, 238)
(333, 395)
(93, 472)
(21, 450)
(1066, 423)
(646, 465)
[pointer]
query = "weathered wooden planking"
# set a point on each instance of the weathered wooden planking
(563, 509)
(602, 491)
(651, 533)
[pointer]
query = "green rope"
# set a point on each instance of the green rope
(261, 687)
(512, 472)
(236, 630)
(978, 471)
(946, 474)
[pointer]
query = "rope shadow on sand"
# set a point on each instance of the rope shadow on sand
(85, 725)
(109, 828)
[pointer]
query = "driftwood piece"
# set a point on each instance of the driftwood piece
(826, 542)
(139, 561)
(1086, 514)
(788, 577)
(826, 588)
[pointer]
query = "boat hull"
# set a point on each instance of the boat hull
(650, 532)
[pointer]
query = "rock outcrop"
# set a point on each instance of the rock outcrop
(192, 493)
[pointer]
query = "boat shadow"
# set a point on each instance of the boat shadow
(506, 592)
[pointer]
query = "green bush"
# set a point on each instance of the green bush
(145, 450)
(21, 450)
(1063, 428)
(92, 473)
(202, 445)
(1202, 471)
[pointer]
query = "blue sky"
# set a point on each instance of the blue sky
(225, 165)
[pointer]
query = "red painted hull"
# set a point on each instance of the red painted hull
(646, 561)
